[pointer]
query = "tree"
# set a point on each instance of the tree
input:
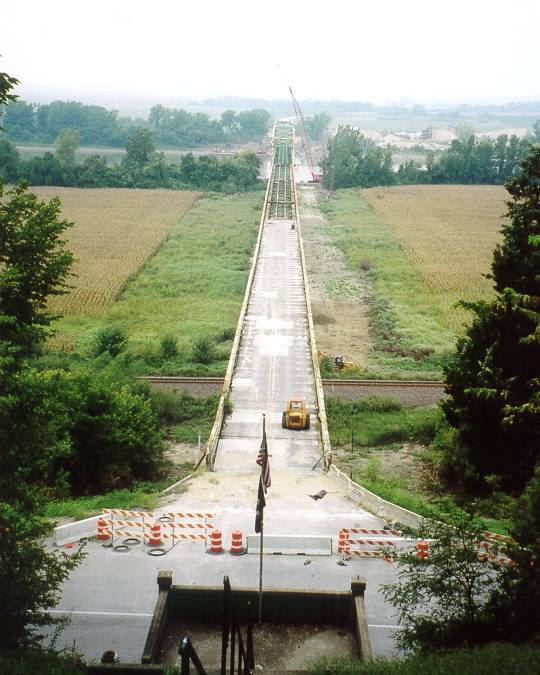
(9, 160)
(317, 125)
(516, 260)
(66, 143)
(441, 602)
(7, 82)
(29, 577)
(33, 266)
(228, 120)
(494, 380)
(253, 124)
(354, 160)
(536, 132)
(140, 148)
(514, 606)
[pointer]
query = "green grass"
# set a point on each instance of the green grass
(504, 658)
(193, 286)
(28, 662)
(183, 415)
(142, 496)
(411, 338)
(370, 428)
(378, 420)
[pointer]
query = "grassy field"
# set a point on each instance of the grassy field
(116, 231)
(413, 323)
(193, 286)
(448, 233)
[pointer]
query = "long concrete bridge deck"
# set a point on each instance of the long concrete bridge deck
(110, 596)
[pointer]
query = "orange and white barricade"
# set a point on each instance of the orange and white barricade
(155, 529)
(350, 544)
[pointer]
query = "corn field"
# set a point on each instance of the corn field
(116, 231)
(448, 232)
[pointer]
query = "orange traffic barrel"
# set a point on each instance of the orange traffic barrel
(237, 547)
(215, 542)
(344, 545)
(423, 550)
(155, 535)
(103, 533)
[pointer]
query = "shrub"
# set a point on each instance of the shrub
(203, 350)
(226, 334)
(443, 603)
(110, 339)
(168, 346)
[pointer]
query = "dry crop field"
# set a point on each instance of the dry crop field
(116, 231)
(448, 233)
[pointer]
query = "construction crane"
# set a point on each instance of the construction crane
(316, 177)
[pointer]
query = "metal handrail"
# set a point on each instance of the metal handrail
(231, 630)
(187, 653)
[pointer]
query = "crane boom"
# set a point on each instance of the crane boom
(307, 148)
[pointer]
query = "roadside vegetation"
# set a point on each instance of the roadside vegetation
(410, 335)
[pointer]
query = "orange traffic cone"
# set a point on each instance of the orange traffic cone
(103, 533)
(215, 542)
(236, 543)
(423, 550)
(155, 535)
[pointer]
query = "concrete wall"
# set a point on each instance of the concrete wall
(374, 504)
(198, 603)
(72, 532)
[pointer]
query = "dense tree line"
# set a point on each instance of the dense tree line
(181, 129)
(352, 160)
(142, 167)
(31, 123)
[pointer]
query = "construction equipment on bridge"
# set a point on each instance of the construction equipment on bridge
(296, 416)
(316, 177)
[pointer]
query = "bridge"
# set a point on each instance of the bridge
(110, 596)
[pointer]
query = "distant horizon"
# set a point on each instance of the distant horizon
(106, 100)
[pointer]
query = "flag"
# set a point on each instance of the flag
(262, 459)
(261, 503)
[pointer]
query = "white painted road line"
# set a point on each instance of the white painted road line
(74, 612)
(375, 625)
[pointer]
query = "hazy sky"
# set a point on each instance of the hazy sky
(167, 50)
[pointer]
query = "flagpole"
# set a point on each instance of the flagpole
(260, 574)
(261, 539)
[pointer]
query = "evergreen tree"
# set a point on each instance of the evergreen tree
(494, 380)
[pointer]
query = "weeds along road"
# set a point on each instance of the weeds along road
(111, 595)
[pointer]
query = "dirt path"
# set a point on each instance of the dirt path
(337, 291)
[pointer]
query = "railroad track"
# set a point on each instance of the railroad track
(375, 384)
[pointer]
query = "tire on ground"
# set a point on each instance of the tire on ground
(284, 420)
(307, 421)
